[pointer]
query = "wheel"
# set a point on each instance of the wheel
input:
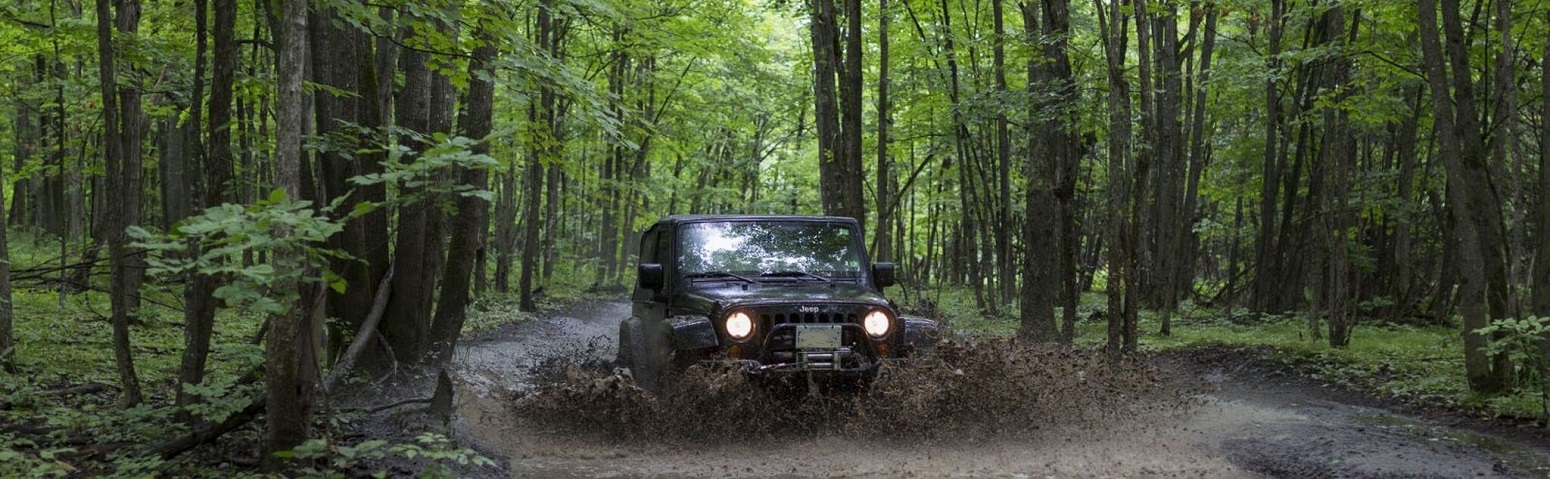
(627, 333)
(645, 351)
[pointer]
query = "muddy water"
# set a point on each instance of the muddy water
(1230, 422)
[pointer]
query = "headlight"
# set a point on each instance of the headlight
(877, 323)
(739, 325)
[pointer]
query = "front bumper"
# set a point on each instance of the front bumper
(774, 354)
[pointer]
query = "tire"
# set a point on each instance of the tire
(643, 352)
(625, 357)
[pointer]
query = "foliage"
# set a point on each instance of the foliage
(422, 176)
(338, 460)
(45, 462)
(286, 230)
(1522, 342)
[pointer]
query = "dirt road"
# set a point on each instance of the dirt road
(1239, 423)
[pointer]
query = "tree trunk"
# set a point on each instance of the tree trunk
(1266, 251)
(533, 194)
(882, 246)
(1455, 146)
(1003, 210)
(468, 225)
(853, 174)
(29, 141)
(442, 98)
(1120, 296)
(505, 228)
(1542, 249)
(554, 182)
(1041, 261)
(199, 299)
(289, 384)
(7, 331)
(1337, 151)
(831, 161)
(342, 58)
(1061, 130)
(173, 141)
(1397, 267)
(123, 170)
(404, 326)
(1504, 139)
(1157, 33)
(1199, 158)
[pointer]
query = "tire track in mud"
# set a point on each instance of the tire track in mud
(1235, 422)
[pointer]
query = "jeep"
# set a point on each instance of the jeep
(772, 296)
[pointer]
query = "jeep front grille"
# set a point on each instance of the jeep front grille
(808, 318)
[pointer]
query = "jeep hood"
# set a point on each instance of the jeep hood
(705, 298)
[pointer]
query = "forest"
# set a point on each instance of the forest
(221, 214)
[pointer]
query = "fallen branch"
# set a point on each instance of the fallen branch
(391, 405)
(170, 449)
(368, 328)
(88, 388)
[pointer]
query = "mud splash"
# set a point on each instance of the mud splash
(972, 388)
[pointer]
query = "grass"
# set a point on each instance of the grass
(67, 339)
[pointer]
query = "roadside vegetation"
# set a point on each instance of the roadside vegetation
(61, 412)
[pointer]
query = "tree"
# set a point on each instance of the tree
(1266, 250)
(832, 150)
(342, 58)
(1122, 317)
(1337, 150)
(469, 223)
(887, 209)
(407, 322)
(121, 139)
(1542, 250)
(290, 379)
(1462, 157)
(849, 174)
(199, 293)
(1041, 261)
(543, 118)
(7, 327)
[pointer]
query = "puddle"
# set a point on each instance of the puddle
(1518, 457)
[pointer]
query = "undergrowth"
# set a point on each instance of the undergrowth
(63, 342)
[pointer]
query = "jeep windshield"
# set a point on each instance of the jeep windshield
(768, 252)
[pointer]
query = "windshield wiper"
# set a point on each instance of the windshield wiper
(795, 274)
(719, 275)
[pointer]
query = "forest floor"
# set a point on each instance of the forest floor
(1219, 412)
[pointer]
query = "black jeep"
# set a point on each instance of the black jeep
(775, 296)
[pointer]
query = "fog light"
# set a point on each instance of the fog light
(877, 323)
(739, 325)
(882, 350)
(735, 352)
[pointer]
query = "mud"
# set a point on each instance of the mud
(544, 395)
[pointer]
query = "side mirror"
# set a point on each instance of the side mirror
(882, 273)
(649, 276)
